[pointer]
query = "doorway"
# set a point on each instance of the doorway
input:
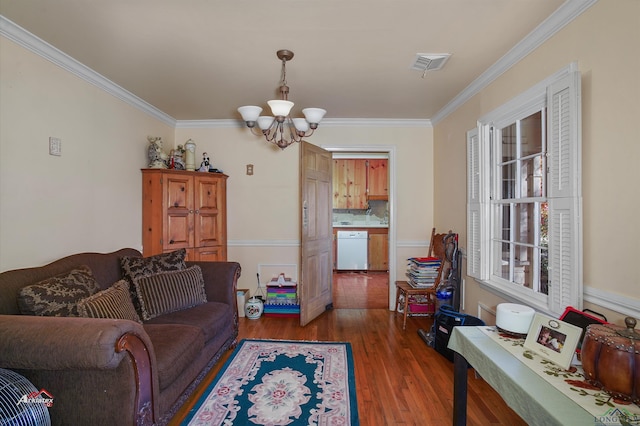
(368, 289)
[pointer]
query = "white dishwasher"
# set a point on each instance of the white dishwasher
(352, 250)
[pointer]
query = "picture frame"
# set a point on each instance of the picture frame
(553, 339)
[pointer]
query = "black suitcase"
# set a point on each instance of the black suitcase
(445, 319)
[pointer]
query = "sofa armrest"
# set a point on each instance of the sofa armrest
(220, 280)
(64, 344)
(58, 343)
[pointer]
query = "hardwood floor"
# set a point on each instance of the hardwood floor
(399, 379)
(359, 290)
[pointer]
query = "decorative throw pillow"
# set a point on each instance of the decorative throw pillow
(170, 291)
(136, 267)
(114, 302)
(58, 296)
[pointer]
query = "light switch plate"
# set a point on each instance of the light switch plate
(55, 146)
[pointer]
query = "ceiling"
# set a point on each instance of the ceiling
(201, 59)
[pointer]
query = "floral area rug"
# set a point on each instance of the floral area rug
(606, 409)
(275, 382)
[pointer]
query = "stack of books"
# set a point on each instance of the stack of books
(282, 298)
(423, 271)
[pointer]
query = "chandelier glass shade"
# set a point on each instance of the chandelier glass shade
(280, 128)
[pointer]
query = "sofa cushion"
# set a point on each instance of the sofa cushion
(114, 302)
(170, 291)
(176, 346)
(212, 317)
(58, 295)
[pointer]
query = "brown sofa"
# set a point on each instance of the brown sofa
(117, 371)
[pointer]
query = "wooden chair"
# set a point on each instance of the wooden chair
(442, 246)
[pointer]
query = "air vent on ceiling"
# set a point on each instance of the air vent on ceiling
(429, 61)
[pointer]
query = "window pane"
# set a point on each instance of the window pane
(544, 224)
(509, 143)
(531, 135)
(523, 271)
(544, 271)
(524, 225)
(501, 267)
(505, 218)
(508, 181)
(531, 177)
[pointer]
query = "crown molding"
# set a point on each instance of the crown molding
(329, 122)
(560, 18)
(566, 13)
(40, 47)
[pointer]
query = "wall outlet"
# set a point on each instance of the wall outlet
(249, 169)
(55, 147)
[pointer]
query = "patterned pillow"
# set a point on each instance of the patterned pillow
(58, 296)
(136, 267)
(170, 291)
(114, 302)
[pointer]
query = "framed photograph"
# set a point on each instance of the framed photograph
(553, 339)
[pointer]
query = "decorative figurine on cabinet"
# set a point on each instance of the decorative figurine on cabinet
(177, 158)
(205, 166)
(157, 158)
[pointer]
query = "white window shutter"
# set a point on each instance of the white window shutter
(565, 286)
(563, 121)
(565, 227)
(474, 218)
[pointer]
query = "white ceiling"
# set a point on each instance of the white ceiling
(201, 59)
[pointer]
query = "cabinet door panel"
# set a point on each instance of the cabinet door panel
(378, 252)
(211, 254)
(357, 184)
(178, 233)
(378, 179)
(209, 199)
(178, 192)
(340, 181)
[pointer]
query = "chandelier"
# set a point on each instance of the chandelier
(280, 128)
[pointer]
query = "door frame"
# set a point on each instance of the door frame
(391, 152)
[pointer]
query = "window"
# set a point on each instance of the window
(523, 222)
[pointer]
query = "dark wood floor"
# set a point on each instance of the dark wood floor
(399, 379)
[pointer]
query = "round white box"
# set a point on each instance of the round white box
(514, 318)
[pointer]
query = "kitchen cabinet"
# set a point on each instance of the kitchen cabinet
(184, 209)
(377, 179)
(349, 184)
(378, 249)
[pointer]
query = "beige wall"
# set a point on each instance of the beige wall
(604, 41)
(263, 209)
(89, 198)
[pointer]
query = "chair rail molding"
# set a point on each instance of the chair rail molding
(625, 305)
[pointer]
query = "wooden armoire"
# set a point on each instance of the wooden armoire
(182, 209)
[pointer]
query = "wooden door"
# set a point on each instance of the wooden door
(316, 279)
(178, 227)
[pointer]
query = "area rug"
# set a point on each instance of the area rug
(276, 382)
